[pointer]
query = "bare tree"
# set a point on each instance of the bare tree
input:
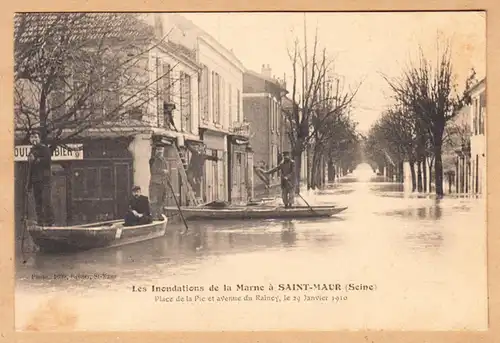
(393, 139)
(335, 142)
(430, 94)
(312, 98)
(80, 71)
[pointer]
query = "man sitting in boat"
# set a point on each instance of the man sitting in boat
(287, 168)
(139, 212)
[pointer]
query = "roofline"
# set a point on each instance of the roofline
(227, 54)
(210, 40)
(477, 85)
(267, 79)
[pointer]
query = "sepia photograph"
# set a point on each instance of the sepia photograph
(250, 171)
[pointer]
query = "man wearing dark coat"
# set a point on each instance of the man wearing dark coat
(139, 212)
(287, 169)
(196, 166)
(158, 183)
(39, 180)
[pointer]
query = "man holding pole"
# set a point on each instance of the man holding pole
(287, 168)
(39, 179)
(158, 183)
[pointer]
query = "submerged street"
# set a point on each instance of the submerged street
(425, 260)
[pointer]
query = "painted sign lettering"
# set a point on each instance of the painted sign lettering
(59, 154)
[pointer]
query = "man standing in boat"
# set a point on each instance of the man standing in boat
(287, 168)
(158, 183)
(139, 212)
(39, 179)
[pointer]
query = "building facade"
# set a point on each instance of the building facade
(478, 138)
(262, 105)
(222, 125)
(97, 185)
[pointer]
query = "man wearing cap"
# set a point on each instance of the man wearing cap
(158, 183)
(39, 179)
(287, 168)
(139, 212)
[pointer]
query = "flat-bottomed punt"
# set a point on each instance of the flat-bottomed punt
(255, 212)
(54, 239)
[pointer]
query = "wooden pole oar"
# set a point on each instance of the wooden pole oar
(298, 193)
(178, 205)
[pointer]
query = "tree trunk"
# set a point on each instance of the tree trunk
(431, 164)
(314, 171)
(331, 172)
(401, 172)
(297, 157)
(424, 174)
(438, 169)
(419, 176)
(413, 176)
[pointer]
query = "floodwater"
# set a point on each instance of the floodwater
(420, 264)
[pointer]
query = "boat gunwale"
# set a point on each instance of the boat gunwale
(257, 209)
(97, 226)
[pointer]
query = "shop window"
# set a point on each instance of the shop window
(94, 183)
(78, 183)
(106, 181)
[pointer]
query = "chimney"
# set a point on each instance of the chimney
(266, 70)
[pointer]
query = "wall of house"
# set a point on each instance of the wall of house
(177, 67)
(231, 84)
(256, 110)
(478, 140)
(218, 64)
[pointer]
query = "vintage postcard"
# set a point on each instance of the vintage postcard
(317, 171)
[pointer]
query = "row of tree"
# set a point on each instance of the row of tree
(319, 121)
(416, 127)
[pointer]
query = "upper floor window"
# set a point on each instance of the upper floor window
(185, 107)
(238, 104)
(216, 97)
(230, 103)
(203, 93)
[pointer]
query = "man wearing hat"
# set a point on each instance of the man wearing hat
(39, 179)
(139, 212)
(287, 168)
(158, 183)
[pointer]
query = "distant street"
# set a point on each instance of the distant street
(408, 247)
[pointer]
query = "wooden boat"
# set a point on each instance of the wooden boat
(96, 235)
(256, 212)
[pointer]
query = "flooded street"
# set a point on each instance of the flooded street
(425, 260)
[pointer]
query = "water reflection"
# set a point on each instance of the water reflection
(288, 233)
(387, 187)
(433, 212)
(427, 241)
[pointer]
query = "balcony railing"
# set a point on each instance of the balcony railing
(240, 128)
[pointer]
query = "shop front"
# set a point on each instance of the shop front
(240, 169)
(88, 188)
(215, 172)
